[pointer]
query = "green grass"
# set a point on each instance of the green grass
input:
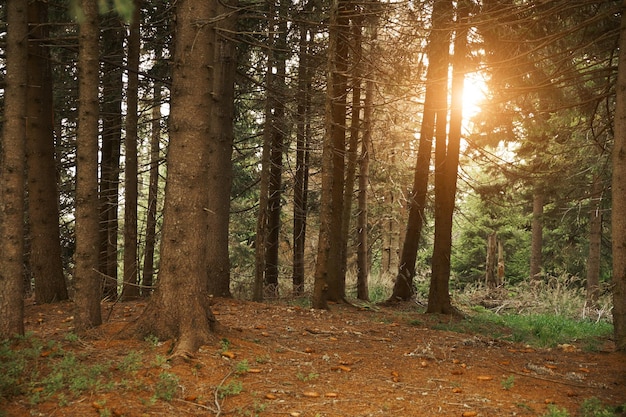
(540, 330)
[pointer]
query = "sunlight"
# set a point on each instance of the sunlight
(474, 93)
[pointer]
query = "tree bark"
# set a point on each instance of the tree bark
(302, 158)
(619, 197)
(536, 235)
(113, 35)
(12, 168)
(327, 285)
(86, 280)
(220, 152)
(153, 189)
(130, 289)
(491, 276)
(435, 89)
(183, 273)
(446, 167)
(595, 242)
(43, 194)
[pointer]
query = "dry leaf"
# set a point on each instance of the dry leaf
(254, 371)
(270, 396)
(458, 372)
(331, 395)
(311, 394)
(469, 414)
(484, 378)
(457, 390)
(228, 354)
(191, 398)
(309, 350)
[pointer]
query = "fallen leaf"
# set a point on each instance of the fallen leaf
(295, 414)
(191, 398)
(548, 401)
(311, 394)
(331, 395)
(457, 390)
(469, 414)
(484, 378)
(423, 364)
(270, 396)
(458, 372)
(254, 371)
(585, 370)
(309, 350)
(228, 354)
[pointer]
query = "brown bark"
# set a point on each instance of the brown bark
(619, 198)
(153, 188)
(182, 273)
(220, 152)
(86, 279)
(12, 168)
(130, 289)
(491, 277)
(301, 177)
(111, 114)
(435, 89)
(595, 242)
(536, 235)
(328, 284)
(43, 194)
(446, 167)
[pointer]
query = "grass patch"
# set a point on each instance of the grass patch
(540, 330)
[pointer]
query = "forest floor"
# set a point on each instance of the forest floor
(285, 360)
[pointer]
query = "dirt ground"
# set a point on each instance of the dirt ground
(281, 360)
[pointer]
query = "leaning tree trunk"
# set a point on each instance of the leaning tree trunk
(12, 168)
(86, 279)
(130, 289)
(182, 273)
(619, 198)
(43, 194)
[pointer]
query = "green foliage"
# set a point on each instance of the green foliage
(131, 362)
(166, 386)
(307, 377)
(232, 388)
(508, 382)
(593, 407)
(554, 411)
(242, 367)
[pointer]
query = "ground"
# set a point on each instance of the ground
(285, 360)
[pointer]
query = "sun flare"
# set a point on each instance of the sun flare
(474, 93)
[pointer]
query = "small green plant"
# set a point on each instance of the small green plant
(555, 411)
(131, 362)
(224, 344)
(153, 340)
(166, 386)
(232, 388)
(242, 367)
(306, 378)
(159, 361)
(72, 337)
(508, 382)
(593, 407)
(262, 359)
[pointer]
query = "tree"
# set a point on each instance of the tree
(220, 152)
(12, 167)
(87, 282)
(113, 34)
(43, 195)
(328, 283)
(436, 92)
(183, 272)
(619, 197)
(130, 289)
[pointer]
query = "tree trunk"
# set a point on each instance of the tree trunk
(12, 168)
(220, 153)
(43, 194)
(327, 286)
(130, 289)
(619, 197)
(595, 242)
(112, 91)
(446, 167)
(536, 235)
(87, 282)
(353, 143)
(302, 157)
(500, 275)
(491, 276)
(362, 289)
(183, 273)
(153, 189)
(435, 89)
